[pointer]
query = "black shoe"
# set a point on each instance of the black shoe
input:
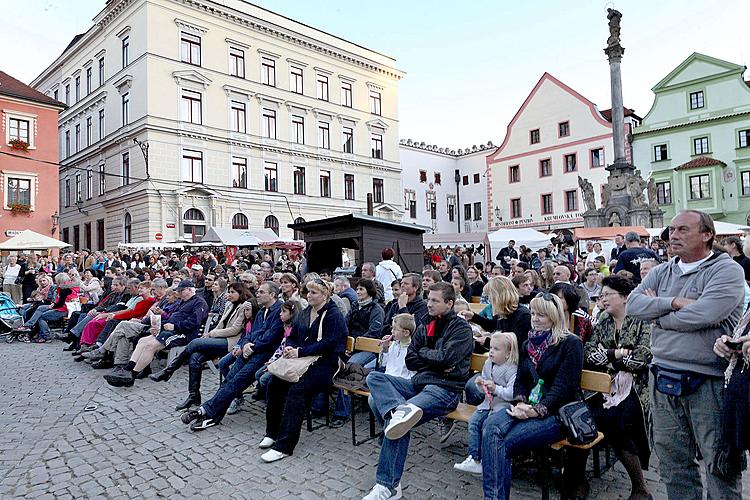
(202, 424)
(190, 415)
(161, 376)
(79, 358)
(71, 347)
(337, 422)
(100, 364)
(258, 396)
(120, 378)
(192, 400)
(143, 373)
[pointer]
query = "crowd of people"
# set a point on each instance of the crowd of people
(668, 324)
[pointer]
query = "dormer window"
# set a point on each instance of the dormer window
(697, 100)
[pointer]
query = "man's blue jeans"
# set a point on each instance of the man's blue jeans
(31, 323)
(387, 392)
(504, 436)
(83, 320)
(344, 401)
(476, 424)
(239, 378)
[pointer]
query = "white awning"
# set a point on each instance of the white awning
(30, 240)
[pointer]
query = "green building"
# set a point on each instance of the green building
(695, 140)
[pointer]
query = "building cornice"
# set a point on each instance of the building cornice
(433, 148)
(642, 131)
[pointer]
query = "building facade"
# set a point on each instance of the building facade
(28, 159)
(695, 140)
(555, 136)
(444, 189)
(251, 120)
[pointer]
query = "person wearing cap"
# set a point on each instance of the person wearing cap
(198, 277)
(183, 326)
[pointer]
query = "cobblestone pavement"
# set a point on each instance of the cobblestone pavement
(134, 446)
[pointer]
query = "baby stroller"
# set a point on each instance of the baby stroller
(10, 318)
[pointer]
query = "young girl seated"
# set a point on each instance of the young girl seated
(394, 346)
(496, 380)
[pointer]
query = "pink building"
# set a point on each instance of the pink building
(28, 159)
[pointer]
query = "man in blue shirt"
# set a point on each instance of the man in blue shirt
(630, 259)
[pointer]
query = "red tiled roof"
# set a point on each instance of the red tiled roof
(11, 87)
(607, 113)
(701, 161)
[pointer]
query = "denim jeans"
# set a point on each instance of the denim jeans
(388, 392)
(263, 376)
(239, 378)
(344, 401)
(225, 364)
(504, 436)
(83, 320)
(31, 323)
(682, 425)
(474, 395)
(476, 422)
(49, 315)
(200, 350)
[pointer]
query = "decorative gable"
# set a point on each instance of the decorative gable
(696, 68)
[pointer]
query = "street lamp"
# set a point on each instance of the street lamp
(498, 213)
(457, 178)
(144, 149)
(55, 222)
(79, 206)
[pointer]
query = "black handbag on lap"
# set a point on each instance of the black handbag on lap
(578, 422)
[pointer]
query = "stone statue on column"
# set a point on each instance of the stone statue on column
(587, 190)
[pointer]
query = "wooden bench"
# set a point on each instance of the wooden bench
(477, 308)
(361, 344)
(463, 411)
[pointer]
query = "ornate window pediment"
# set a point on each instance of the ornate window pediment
(191, 78)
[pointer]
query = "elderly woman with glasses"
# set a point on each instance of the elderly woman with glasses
(319, 330)
(620, 346)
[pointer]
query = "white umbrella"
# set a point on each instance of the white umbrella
(29, 240)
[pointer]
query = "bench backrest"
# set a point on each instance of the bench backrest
(367, 344)
(477, 308)
(477, 362)
(349, 344)
(596, 381)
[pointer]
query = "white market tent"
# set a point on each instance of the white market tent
(29, 240)
(531, 238)
(239, 237)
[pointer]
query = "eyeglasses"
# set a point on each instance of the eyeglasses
(608, 294)
(548, 296)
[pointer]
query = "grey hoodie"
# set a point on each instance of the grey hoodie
(684, 339)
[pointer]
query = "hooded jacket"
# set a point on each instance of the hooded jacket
(684, 339)
(443, 359)
(385, 272)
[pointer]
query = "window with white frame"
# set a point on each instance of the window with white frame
(88, 80)
(571, 200)
(296, 80)
(190, 107)
(240, 221)
(477, 210)
(744, 138)
(375, 103)
(67, 143)
(663, 193)
(125, 50)
(18, 129)
(410, 202)
(376, 146)
(269, 123)
(78, 188)
(239, 118)
(192, 166)
(324, 135)
(67, 94)
(660, 152)
(125, 169)
(19, 189)
(745, 181)
(299, 180)
(236, 62)
(239, 172)
(322, 87)
(700, 145)
(89, 184)
(101, 71)
(190, 49)
(298, 129)
(125, 109)
(597, 157)
(325, 183)
(102, 180)
(348, 142)
(101, 124)
(271, 176)
(451, 204)
(700, 187)
(268, 71)
(697, 100)
(378, 191)
(349, 186)
(346, 94)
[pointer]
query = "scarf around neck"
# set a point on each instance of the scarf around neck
(538, 344)
(363, 303)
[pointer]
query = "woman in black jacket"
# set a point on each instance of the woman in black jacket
(553, 362)
(320, 330)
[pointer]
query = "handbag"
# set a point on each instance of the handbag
(578, 422)
(72, 306)
(292, 369)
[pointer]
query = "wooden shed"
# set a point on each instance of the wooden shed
(366, 235)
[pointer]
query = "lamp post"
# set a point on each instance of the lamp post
(457, 178)
(144, 150)
(55, 222)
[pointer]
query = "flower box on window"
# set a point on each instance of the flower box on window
(19, 208)
(19, 145)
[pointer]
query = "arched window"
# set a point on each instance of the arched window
(194, 225)
(239, 221)
(128, 233)
(272, 222)
(298, 235)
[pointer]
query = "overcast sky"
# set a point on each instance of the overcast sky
(469, 64)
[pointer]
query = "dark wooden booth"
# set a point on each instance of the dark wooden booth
(366, 235)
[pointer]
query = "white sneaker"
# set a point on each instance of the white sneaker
(403, 418)
(272, 456)
(469, 465)
(266, 443)
(380, 492)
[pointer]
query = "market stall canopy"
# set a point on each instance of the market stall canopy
(607, 233)
(239, 237)
(151, 245)
(29, 240)
(454, 239)
(531, 238)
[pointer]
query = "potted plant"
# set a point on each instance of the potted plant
(19, 145)
(19, 208)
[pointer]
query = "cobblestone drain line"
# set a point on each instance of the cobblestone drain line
(134, 446)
